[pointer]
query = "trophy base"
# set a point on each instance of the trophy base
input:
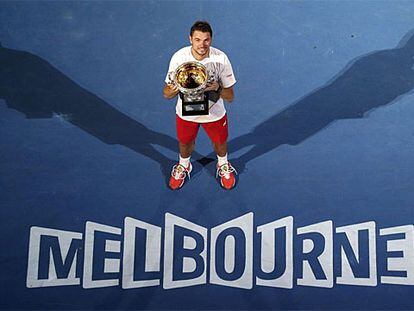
(196, 108)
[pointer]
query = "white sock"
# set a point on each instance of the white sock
(184, 161)
(222, 160)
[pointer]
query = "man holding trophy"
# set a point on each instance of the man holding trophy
(202, 76)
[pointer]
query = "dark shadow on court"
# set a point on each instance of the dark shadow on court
(368, 82)
(35, 88)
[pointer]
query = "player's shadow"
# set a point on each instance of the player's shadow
(368, 82)
(35, 88)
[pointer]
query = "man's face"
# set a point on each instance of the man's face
(200, 42)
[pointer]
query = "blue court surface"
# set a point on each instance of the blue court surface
(321, 133)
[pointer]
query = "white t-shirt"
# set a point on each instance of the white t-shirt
(218, 63)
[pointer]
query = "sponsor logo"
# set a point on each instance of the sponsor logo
(236, 254)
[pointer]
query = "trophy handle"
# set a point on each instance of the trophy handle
(171, 78)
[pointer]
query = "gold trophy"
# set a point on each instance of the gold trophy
(191, 79)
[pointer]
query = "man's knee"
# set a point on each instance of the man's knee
(186, 144)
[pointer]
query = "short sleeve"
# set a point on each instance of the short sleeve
(227, 75)
(174, 63)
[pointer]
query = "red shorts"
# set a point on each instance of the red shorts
(218, 131)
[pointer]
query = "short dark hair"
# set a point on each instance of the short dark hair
(202, 26)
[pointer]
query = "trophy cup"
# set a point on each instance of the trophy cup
(191, 79)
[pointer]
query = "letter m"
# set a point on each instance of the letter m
(54, 258)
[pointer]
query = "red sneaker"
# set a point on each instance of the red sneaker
(226, 173)
(178, 175)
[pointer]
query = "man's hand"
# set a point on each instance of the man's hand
(226, 93)
(170, 90)
(212, 86)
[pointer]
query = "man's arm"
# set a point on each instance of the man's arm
(170, 91)
(227, 94)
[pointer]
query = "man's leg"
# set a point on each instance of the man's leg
(186, 133)
(218, 133)
(220, 149)
(186, 149)
(185, 153)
